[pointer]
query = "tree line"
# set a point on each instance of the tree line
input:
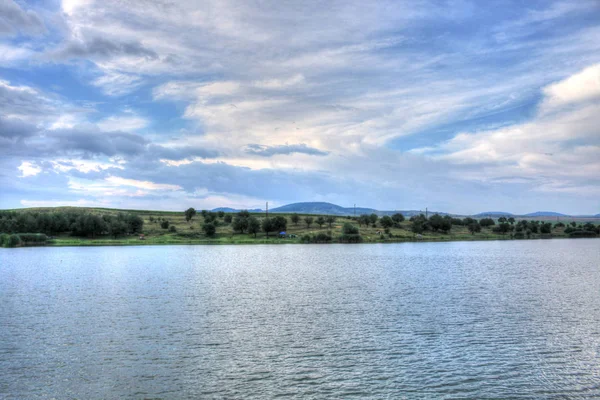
(77, 223)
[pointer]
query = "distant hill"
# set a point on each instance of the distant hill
(324, 208)
(321, 208)
(494, 214)
(545, 214)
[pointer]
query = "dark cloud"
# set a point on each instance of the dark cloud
(22, 101)
(92, 141)
(101, 48)
(14, 19)
(180, 153)
(269, 151)
(19, 138)
(15, 128)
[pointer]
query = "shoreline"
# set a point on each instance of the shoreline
(119, 243)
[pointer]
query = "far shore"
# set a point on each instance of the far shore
(107, 227)
(68, 242)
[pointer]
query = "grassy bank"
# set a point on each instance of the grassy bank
(181, 231)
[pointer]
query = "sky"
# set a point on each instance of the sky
(458, 106)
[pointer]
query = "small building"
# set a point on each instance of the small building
(282, 234)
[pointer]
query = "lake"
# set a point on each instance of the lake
(469, 320)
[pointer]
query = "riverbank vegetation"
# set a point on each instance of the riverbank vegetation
(90, 226)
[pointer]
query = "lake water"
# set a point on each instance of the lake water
(498, 319)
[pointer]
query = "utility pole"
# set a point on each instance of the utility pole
(267, 209)
(426, 213)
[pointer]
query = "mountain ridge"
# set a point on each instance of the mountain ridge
(325, 208)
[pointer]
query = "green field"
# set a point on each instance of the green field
(191, 232)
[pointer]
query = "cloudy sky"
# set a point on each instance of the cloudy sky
(460, 106)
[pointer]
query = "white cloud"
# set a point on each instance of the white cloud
(141, 184)
(115, 83)
(29, 169)
(580, 87)
(126, 123)
(64, 203)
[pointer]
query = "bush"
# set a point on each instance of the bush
(4, 239)
(519, 235)
(350, 238)
(13, 241)
(349, 229)
(32, 238)
(322, 238)
(164, 224)
(172, 229)
(228, 218)
(306, 238)
(209, 229)
(583, 234)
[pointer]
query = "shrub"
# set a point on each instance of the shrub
(306, 238)
(164, 224)
(583, 234)
(32, 238)
(209, 229)
(350, 238)
(172, 229)
(322, 238)
(349, 229)
(13, 240)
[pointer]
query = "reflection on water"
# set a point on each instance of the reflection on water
(454, 320)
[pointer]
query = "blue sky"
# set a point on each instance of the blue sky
(458, 106)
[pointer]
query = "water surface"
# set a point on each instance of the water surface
(505, 319)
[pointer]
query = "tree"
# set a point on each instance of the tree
(240, 223)
(164, 224)
(438, 222)
(172, 229)
(373, 219)
(387, 222)
(546, 228)
(267, 226)
(364, 219)
(244, 213)
(189, 214)
(330, 219)
(309, 221)
(209, 229)
(228, 218)
(210, 217)
(503, 228)
(204, 212)
(511, 220)
(13, 240)
(135, 223)
(486, 222)
(253, 226)
(320, 221)
(279, 223)
(349, 229)
(398, 218)
(295, 218)
(417, 226)
(221, 213)
(117, 227)
(474, 227)
(502, 220)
